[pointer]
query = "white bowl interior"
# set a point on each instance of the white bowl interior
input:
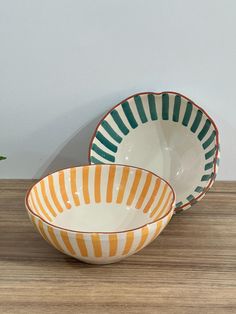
(166, 134)
(101, 198)
(172, 152)
(101, 218)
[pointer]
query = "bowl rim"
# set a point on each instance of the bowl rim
(211, 181)
(172, 206)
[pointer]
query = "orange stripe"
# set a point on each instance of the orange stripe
(167, 219)
(123, 182)
(153, 196)
(97, 184)
(165, 205)
(85, 185)
(54, 239)
(157, 231)
(66, 240)
(160, 201)
(53, 194)
(96, 245)
(144, 190)
(36, 226)
(113, 244)
(81, 244)
(145, 232)
(40, 205)
(43, 190)
(111, 177)
(33, 220)
(134, 188)
(129, 242)
(63, 189)
(41, 230)
(35, 209)
(73, 186)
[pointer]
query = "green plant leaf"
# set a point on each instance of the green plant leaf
(2, 157)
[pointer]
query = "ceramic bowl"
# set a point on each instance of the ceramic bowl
(100, 213)
(165, 133)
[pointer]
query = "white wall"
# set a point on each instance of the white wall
(63, 63)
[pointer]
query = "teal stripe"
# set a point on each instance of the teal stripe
(190, 198)
(187, 114)
(204, 129)
(165, 107)
(179, 204)
(210, 153)
(129, 115)
(111, 132)
(206, 177)
(102, 139)
(152, 107)
(199, 189)
(116, 117)
(95, 160)
(176, 108)
(139, 106)
(103, 154)
(196, 121)
(209, 165)
(209, 140)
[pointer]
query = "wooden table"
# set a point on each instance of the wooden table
(190, 268)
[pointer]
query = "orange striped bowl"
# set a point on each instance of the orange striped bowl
(100, 213)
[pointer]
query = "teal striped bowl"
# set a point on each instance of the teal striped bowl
(165, 133)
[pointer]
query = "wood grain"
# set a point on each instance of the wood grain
(190, 268)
